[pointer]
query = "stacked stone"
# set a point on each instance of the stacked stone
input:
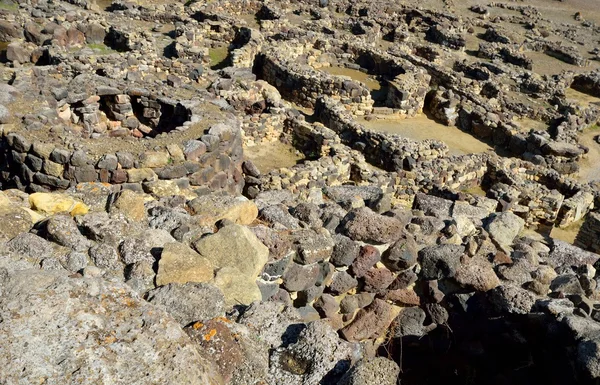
(313, 139)
(537, 194)
(252, 42)
(263, 128)
(210, 163)
(303, 85)
(445, 35)
(88, 115)
(588, 237)
(391, 152)
(407, 92)
(567, 54)
(588, 83)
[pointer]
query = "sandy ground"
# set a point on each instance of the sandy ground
(590, 165)
(360, 76)
(272, 156)
(421, 128)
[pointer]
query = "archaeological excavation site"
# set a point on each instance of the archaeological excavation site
(300, 192)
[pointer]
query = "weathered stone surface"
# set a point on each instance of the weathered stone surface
(311, 246)
(365, 225)
(189, 302)
(367, 258)
(101, 330)
(209, 209)
(477, 274)
(433, 206)
(131, 205)
(318, 354)
(565, 254)
(441, 261)
(402, 254)
(345, 251)
(236, 248)
(512, 299)
(504, 227)
(63, 230)
(47, 203)
(342, 282)
(378, 370)
(370, 322)
(13, 221)
(298, 277)
(238, 354)
(180, 264)
(409, 322)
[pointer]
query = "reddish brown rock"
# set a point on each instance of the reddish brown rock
(370, 322)
(378, 279)
(477, 274)
(367, 258)
(234, 354)
(406, 297)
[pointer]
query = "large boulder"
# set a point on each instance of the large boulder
(367, 226)
(209, 209)
(377, 370)
(63, 330)
(319, 356)
(48, 203)
(504, 227)
(238, 257)
(180, 264)
(189, 302)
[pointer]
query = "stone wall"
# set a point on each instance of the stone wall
(302, 84)
(588, 83)
(537, 194)
(249, 43)
(210, 163)
(391, 152)
(588, 237)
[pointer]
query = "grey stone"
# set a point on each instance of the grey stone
(565, 254)
(409, 322)
(108, 162)
(367, 226)
(298, 277)
(60, 156)
(279, 217)
(87, 330)
(311, 246)
(76, 261)
(273, 322)
(319, 355)
(440, 261)
(63, 230)
(134, 250)
(402, 254)
(105, 256)
(4, 114)
(376, 370)
(189, 302)
(512, 299)
(342, 282)
(433, 206)
(345, 251)
(504, 227)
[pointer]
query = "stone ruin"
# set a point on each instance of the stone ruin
(376, 256)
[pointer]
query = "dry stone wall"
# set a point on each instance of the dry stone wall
(210, 163)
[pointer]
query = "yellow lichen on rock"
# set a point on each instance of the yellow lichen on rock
(49, 204)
